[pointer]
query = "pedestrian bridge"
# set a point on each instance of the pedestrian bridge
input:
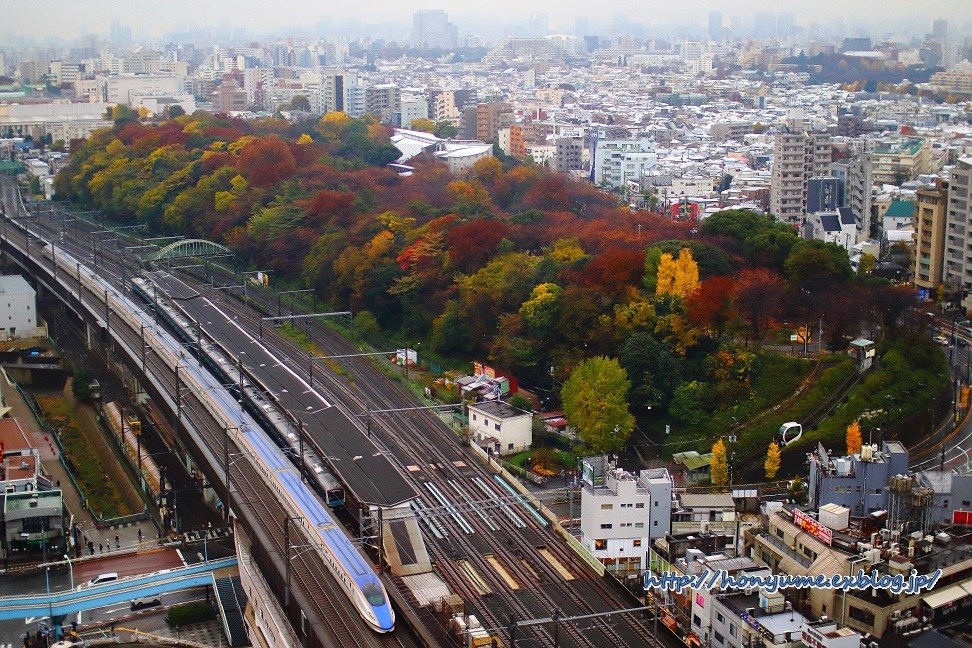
(192, 249)
(60, 604)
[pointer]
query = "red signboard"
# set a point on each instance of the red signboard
(812, 527)
(963, 518)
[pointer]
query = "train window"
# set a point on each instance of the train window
(373, 593)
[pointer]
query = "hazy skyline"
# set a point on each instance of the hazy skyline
(68, 19)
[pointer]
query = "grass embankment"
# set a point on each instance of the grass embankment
(775, 379)
(82, 458)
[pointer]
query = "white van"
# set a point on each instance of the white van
(101, 579)
(145, 601)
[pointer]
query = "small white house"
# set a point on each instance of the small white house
(18, 308)
(500, 427)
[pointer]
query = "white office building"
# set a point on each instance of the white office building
(621, 513)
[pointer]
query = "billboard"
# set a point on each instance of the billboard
(812, 527)
(963, 518)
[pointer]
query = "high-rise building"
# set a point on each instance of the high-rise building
(858, 192)
(764, 25)
(715, 25)
(491, 117)
(940, 30)
(957, 274)
(431, 29)
(798, 155)
(929, 249)
(383, 101)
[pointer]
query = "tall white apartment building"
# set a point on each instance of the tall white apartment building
(798, 155)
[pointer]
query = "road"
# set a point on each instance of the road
(928, 453)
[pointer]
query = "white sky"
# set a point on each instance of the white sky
(68, 18)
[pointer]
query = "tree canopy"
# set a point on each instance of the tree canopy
(595, 402)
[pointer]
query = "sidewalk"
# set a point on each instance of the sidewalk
(51, 466)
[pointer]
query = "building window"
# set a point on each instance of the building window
(696, 621)
(780, 534)
(496, 426)
(509, 447)
(640, 505)
(600, 545)
(720, 618)
(732, 630)
(485, 421)
(640, 525)
(637, 543)
(607, 526)
(607, 507)
(474, 417)
(719, 638)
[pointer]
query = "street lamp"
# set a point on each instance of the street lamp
(67, 557)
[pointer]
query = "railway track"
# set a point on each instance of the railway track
(343, 625)
(404, 436)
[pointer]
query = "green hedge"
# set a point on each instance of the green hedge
(181, 615)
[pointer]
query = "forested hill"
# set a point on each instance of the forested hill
(511, 263)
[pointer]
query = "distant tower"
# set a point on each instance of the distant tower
(940, 30)
(431, 29)
(715, 25)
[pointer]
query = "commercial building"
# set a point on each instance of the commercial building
(120, 89)
(900, 160)
(859, 482)
(32, 508)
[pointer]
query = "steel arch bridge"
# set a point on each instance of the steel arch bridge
(192, 249)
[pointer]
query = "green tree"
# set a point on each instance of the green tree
(81, 385)
(542, 310)
(686, 405)
(520, 401)
(595, 401)
(35, 186)
(816, 262)
(719, 464)
(446, 130)
(175, 110)
(772, 463)
(300, 102)
(366, 325)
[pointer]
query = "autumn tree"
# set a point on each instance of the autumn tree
(710, 307)
(757, 296)
(595, 401)
(854, 438)
(719, 464)
(772, 463)
(677, 277)
(423, 124)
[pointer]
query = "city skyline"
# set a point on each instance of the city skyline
(68, 20)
